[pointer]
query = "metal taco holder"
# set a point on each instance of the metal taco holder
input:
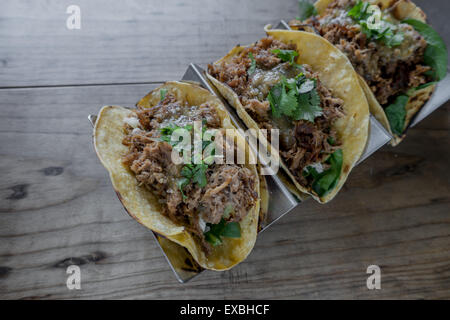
(281, 200)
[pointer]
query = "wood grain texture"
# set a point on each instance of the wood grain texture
(135, 41)
(57, 206)
(393, 212)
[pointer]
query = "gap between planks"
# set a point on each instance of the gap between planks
(81, 85)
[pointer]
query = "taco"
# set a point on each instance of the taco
(398, 57)
(303, 86)
(210, 209)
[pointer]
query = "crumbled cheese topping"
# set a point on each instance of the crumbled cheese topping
(318, 166)
(132, 122)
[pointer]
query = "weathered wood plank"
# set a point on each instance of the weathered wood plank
(393, 212)
(138, 41)
(118, 42)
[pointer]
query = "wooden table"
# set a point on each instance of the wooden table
(57, 206)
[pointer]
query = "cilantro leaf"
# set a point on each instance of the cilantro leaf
(199, 175)
(253, 64)
(331, 140)
(412, 91)
(383, 31)
(274, 98)
(228, 210)
(359, 11)
(309, 106)
(288, 101)
(328, 179)
(425, 85)
(306, 10)
(194, 173)
(435, 55)
(286, 55)
(162, 94)
(394, 39)
(222, 229)
(310, 171)
(181, 184)
(232, 230)
(166, 133)
(187, 171)
(295, 98)
(213, 239)
(396, 114)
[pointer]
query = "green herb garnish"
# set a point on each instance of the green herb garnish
(359, 11)
(425, 85)
(331, 140)
(327, 180)
(228, 210)
(435, 55)
(396, 114)
(296, 98)
(253, 64)
(181, 184)
(286, 55)
(193, 173)
(162, 94)
(306, 10)
(166, 133)
(384, 31)
(222, 229)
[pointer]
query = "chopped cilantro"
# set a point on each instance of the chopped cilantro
(222, 229)
(228, 210)
(359, 11)
(166, 133)
(286, 55)
(191, 173)
(396, 114)
(199, 176)
(183, 182)
(331, 141)
(253, 64)
(306, 10)
(296, 98)
(310, 171)
(382, 31)
(327, 180)
(274, 99)
(309, 106)
(162, 94)
(426, 85)
(435, 55)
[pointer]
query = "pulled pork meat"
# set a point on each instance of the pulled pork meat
(149, 159)
(234, 73)
(388, 71)
(313, 142)
(302, 143)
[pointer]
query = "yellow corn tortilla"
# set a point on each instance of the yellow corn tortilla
(337, 74)
(401, 9)
(143, 206)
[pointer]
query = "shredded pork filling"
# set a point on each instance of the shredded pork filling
(302, 143)
(150, 160)
(388, 71)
